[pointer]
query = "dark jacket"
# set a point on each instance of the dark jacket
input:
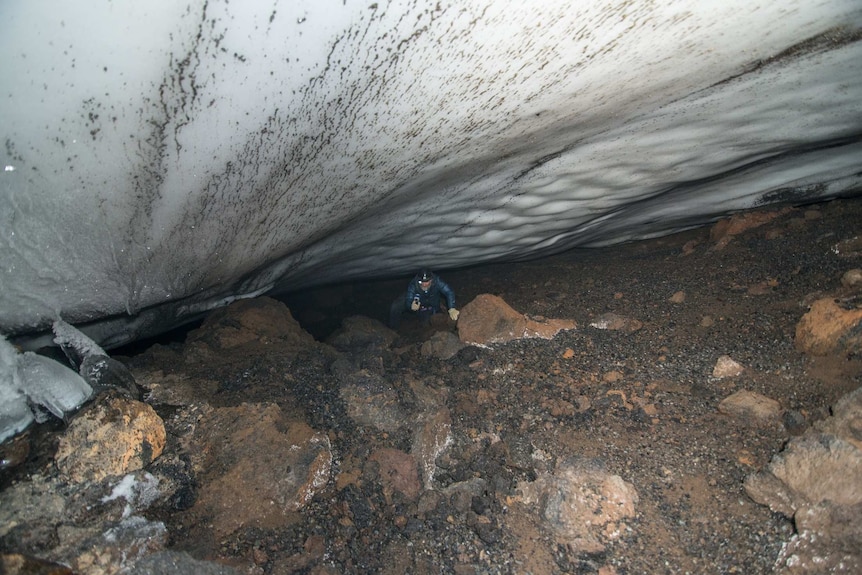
(431, 299)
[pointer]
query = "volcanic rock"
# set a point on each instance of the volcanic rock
(615, 322)
(226, 444)
(829, 328)
(488, 319)
(726, 366)
(582, 503)
(723, 231)
(359, 332)
(397, 472)
(442, 345)
(751, 407)
(817, 481)
(111, 437)
(260, 320)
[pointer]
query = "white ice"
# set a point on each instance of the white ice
(15, 414)
(139, 491)
(51, 384)
(164, 158)
(66, 335)
(29, 382)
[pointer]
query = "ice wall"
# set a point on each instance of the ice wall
(32, 386)
(162, 158)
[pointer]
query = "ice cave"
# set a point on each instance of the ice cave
(162, 159)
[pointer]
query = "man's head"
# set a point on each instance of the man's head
(426, 278)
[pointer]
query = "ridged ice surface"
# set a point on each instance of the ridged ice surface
(162, 158)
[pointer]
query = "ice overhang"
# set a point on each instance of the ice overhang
(161, 159)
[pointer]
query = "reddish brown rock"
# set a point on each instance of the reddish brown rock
(724, 230)
(255, 466)
(488, 319)
(111, 437)
(398, 472)
(828, 329)
(260, 319)
(751, 407)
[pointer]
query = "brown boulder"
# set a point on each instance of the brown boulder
(255, 466)
(398, 472)
(750, 407)
(261, 319)
(111, 437)
(817, 481)
(828, 329)
(488, 319)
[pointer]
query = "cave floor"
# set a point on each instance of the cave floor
(584, 393)
(642, 402)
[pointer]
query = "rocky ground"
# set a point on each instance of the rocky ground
(652, 435)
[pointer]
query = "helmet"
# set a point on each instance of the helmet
(426, 275)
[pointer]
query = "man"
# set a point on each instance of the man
(424, 297)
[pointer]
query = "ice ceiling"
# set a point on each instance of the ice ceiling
(163, 158)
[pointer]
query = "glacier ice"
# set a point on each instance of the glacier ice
(15, 414)
(224, 149)
(52, 385)
(96, 367)
(74, 343)
(31, 383)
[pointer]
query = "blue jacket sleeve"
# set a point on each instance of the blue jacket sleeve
(447, 293)
(411, 293)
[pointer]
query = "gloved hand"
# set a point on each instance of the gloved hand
(415, 305)
(454, 313)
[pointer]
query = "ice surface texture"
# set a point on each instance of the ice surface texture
(30, 383)
(192, 153)
(15, 414)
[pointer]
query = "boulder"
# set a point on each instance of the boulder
(828, 328)
(255, 466)
(442, 345)
(261, 319)
(581, 503)
(359, 332)
(112, 436)
(750, 407)
(817, 481)
(488, 319)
